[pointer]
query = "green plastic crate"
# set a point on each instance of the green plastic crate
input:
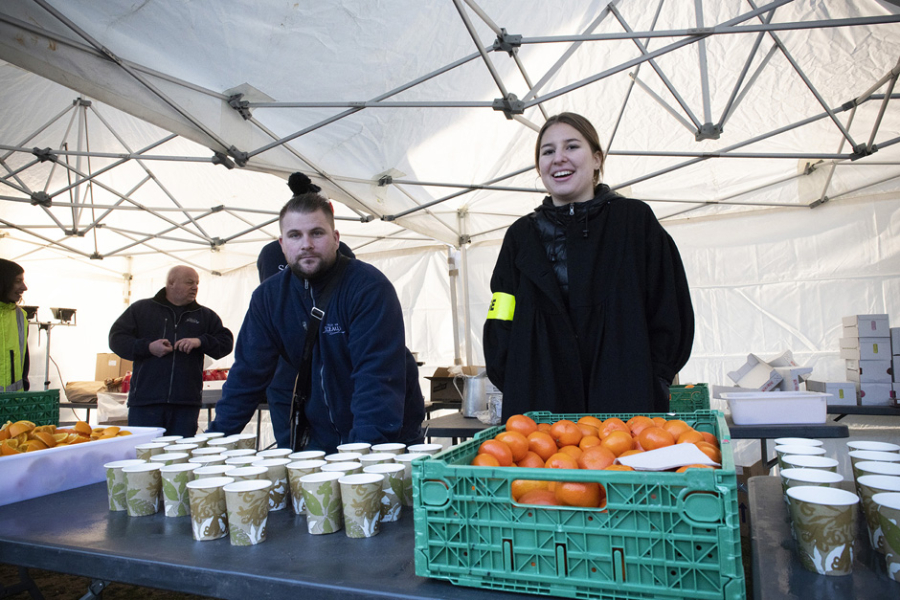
(661, 535)
(41, 408)
(688, 398)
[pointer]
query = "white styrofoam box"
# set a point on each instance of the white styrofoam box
(756, 374)
(777, 408)
(34, 474)
(865, 348)
(869, 371)
(896, 368)
(862, 326)
(895, 341)
(876, 394)
(842, 392)
(792, 377)
(786, 359)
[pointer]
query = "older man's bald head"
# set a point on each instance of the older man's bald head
(182, 283)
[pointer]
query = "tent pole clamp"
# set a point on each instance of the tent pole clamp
(241, 106)
(510, 105)
(862, 151)
(81, 102)
(385, 180)
(41, 198)
(239, 157)
(507, 42)
(708, 131)
(96, 256)
(221, 159)
(44, 154)
(465, 239)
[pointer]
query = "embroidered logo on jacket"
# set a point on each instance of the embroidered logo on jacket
(192, 320)
(332, 329)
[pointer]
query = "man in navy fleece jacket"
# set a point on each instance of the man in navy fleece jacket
(364, 381)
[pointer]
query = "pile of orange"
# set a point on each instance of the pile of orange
(25, 436)
(589, 443)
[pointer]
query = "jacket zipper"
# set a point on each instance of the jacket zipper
(312, 297)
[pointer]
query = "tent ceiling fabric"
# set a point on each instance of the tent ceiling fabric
(710, 110)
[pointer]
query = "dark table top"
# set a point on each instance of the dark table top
(74, 532)
(777, 573)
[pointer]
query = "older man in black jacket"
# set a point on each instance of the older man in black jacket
(167, 336)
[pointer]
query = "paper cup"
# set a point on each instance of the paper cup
(819, 477)
(115, 482)
(393, 448)
(280, 492)
(246, 441)
(204, 451)
(307, 455)
(431, 449)
(248, 511)
(176, 501)
(142, 489)
(322, 496)
(200, 440)
(873, 446)
(239, 452)
(228, 442)
(782, 451)
(357, 447)
(209, 512)
(295, 471)
(376, 458)
(792, 461)
(169, 458)
(347, 468)
(168, 439)
(212, 435)
(241, 461)
(797, 441)
(207, 460)
(406, 460)
(342, 457)
(182, 447)
(872, 455)
(361, 500)
(248, 473)
(274, 453)
(391, 488)
(871, 467)
(204, 471)
(824, 524)
(145, 451)
(888, 504)
(869, 485)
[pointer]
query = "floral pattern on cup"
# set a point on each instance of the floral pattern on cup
(280, 492)
(322, 495)
(824, 524)
(142, 489)
(115, 482)
(888, 504)
(296, 470)
(361, 501)
(869, 485)
(391, 489)
(248, 511)
(406, 459)
(176, 501)
(209, 512)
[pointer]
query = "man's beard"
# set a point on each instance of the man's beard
(320, 267)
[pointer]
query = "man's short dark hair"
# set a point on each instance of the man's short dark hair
(8, 273)
(309, 202)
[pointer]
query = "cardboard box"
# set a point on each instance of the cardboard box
(865, 348)
(876, 394)
(895, 367)
(792, 377)
(786, 359)
(110, 366)
(863, 326)
(895, 341)
(842, 392)
(442, 388)
(756, 374)
(869, 371)
(744, 474)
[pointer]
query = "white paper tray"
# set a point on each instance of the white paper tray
(776, 408)
(34, 474)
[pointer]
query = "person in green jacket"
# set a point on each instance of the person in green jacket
(13, 328)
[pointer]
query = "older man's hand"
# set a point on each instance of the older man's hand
(160, 348)
(187, 344)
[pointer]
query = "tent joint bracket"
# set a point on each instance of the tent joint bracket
(42, 199)
(507, 42)
(96, 256)
(221, 159)
(44, 154)
(81, 102)
(708, 131)
(465, 239)
(241, 106)
(239, 157)
(510, 105)
(385, 180)
(862, 151)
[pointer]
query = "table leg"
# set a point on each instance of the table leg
(25, 584)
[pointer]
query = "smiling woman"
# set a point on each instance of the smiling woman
(589, 294)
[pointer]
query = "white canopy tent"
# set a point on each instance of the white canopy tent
(764, 136)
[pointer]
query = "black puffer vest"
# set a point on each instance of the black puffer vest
(551, 222)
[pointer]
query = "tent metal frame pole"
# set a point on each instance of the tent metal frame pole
(703, 66)
(45, 239)
(659, 100)
(463, 215)
(453, 275)
(750, 83)
(429, 212)
(467, 22)
(823, 197)
(744, 70)
(870, 145)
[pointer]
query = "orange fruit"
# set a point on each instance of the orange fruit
(588, 441)
(542, 444)
(653, 437)
(573, 451)
(587, 430)
(686, 467)
(618, 468)
(45, 437)
(4, 434)
(498, 450)
(690, 437)
(83, 428)
(531, 461)
(710, 438)
(542, 497)
(20, 427)
(676, 427)
(545, 427)
(561, 460)
(485, 460)
(630, 452)
(710, 450)
(517, 443)
(613, 424)
(596, 458)
(658, 421)
(588, 494)
(520, 487)
(637, 423)
(9, 449)
(590, 420)
(34, 445)
(565, 433)
(618, 442)
(521, 424)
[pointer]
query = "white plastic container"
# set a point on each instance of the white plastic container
(777, 408)
(34, 474)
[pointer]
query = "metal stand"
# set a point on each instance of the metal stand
(48, 326)
(25, 584)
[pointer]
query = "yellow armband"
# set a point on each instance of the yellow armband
(503, 307)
